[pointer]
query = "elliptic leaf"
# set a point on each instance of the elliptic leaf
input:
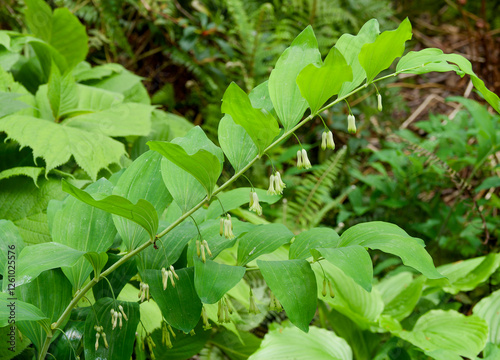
(488, 309)
(312, 239)
(11, 245)
(38, 16)
(21, 311)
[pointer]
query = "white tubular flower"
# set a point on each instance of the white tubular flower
(323, 141)
(330, 144)
(173, 272)
(205, 244)
(279, 185)
(228, 228)
(123, 312)
(221, 231)
(97, 336)
(254, 205)
(305, 159)
(299, 159)
(379, 100)
(164, 278)
(171, 276)
(115, 320)
(105, 341)
(271, 190)
(351, 124)
(120, 316)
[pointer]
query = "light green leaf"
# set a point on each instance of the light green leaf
(400, 294)
(388, 46)
(92, 151)
(83, 227)
(10, 247)
(61, 92)
(260, 125)
(488, 309)
(38, 17)
(120, 340)
(8, 104)
(142, 213)
(263, 239)
(283, 89)
(354, 261)
(30, 171)
(350, 46)
(236, 143)
(180, 305)
(236, 348)
(317, 84)
(260, 99)
(141, 182)
(94, 99)
(290, 343)
(312, 239)
(391, 239)
(294, 284)
(448, 330)
(35, 259)
(23, 312)
(213, 280)
(97, 260)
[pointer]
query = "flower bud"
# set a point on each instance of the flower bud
(271, 190)
(106, 345)
(330, 144)
(379, 100)
(299, 159)
(324, 288)
(332, 293)
(171, 276)
(305, 159)
(173, 272)
(278, 183)
(97, 336)
(254, 205)
(120, 316)
(123, 312)
(205, 244)
(221, 231)
(351, 124)
(323, 141)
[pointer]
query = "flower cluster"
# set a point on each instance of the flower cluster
(166, 274)
(254, 203)
(166, 330)
(117, 317)
(143, 291)
(201, 247)
(226, 227)
(330, 288)
(327, 141)
(302, 160)
(204, 316)
(276, 185)
(225, 308)
(100, 332)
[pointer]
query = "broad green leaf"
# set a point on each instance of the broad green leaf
(290, 343)
(260, 99)
(35, 259)
(97, 261)
(118, 278)
(312, 239)
(318, 83)
(263, 239)
(213, 280)
(283, 88)
(236, 143)
(354, 261)
(85, 228)
(120, 340)
(350, 46)
(260, 125)
(61, 93)
(236, 348)
(400, 294)
(235, 198)
(294, 284)
(30, 171)
(180, 305)
(51, 293)
(491, 352)
(191, 161)
(388, 46)
(466, 275)
(63, 347)
(94, 99)
(84, 71)
(351, 300)
(488, 309)
(38, 17)
(25, 205)
(141, 213)
(141, 182)
(11, 245)
(8, 104)
(448, 330)
(391, 239)
(92, 151)
(20, 311)
(14, 342)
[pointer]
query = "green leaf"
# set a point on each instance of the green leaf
(260, 99)
(400, 294)
(8, 104)
(11, 245)
(85, 228)
(142, 213)
(51, 293)
(283, 89)
(194, 154)
(290, 343)
(294, 284)
(141, 182)
(312, 239)
(448, 330)
(180, 305)
(30, 171)
(235, 348)
(63, 347)
(23, 312)
(350, 46)
(97, 260)
(388, 46)
(263, 239)
(354, 261)
(120, 340)
(213, 280)
(15, 344)
(37, 258)
(61, 92)
(488, 309)
(318, 83)
(38, 17)
(236, 143)
(260, 125)
(92, 151)
(391, 239)
(118, 278)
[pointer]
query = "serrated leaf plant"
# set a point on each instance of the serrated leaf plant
(165, 221)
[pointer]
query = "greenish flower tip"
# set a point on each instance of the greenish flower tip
(100, 332)
(351, 124)
(143, 292)
(327, 141)
(379, 100)
(165, 335)
(201, 248)
(276, 185)
(223, 311)
(204, 316)
(302, 160)
(226, 227)
(254, 203)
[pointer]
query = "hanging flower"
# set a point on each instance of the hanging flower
(351, 124)
(323, 141)
(279, 185)
(299, 159)
(330, 144)
(254, 203)
(379, 100)
(305, 160)
(271, 190)
(228, 228)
